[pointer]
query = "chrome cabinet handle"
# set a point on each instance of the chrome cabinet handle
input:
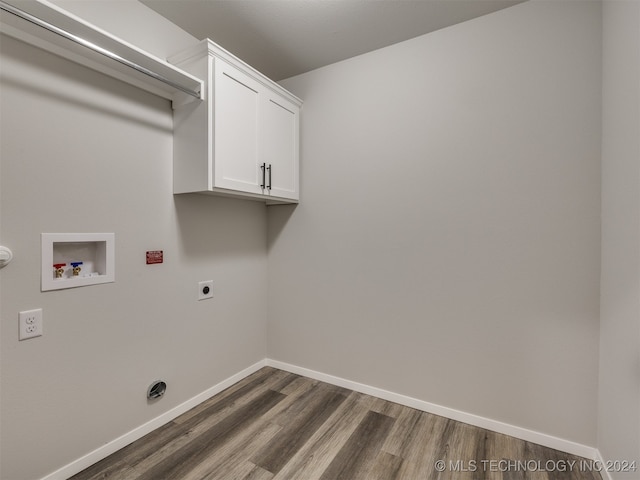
(269, 168)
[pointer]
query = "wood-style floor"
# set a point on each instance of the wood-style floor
(275, 425)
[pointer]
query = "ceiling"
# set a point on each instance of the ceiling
(283, 38)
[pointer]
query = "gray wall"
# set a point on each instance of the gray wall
(619, 400)
(81, 152)
(447, 242)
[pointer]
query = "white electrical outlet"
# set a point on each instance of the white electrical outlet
(30, 324)
(205, 290)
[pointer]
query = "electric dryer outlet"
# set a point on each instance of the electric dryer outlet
(205, 290)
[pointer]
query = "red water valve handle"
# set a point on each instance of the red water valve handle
(58, 270)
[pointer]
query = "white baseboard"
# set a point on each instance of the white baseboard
(568, 446)
(113, 446)
(606, 474)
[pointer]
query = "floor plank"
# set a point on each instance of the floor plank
(177, 464)
(355, 458)
(316, 455)
(298, 431)
(275, 425)
(230, 461)
(386, 467)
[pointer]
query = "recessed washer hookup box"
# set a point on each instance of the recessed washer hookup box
(77, 259)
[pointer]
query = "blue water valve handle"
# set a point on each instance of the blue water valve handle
(76, 268)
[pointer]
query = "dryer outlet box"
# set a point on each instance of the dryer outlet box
(205, 290)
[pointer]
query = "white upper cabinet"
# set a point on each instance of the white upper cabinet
(243, 139)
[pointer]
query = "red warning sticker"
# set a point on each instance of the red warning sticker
(154, 256)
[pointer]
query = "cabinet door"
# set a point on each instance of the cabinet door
(235, 124)
(279, 146)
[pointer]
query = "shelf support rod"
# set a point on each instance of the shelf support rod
(96, 48)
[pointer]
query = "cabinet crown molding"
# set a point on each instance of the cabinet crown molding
(209, 47)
